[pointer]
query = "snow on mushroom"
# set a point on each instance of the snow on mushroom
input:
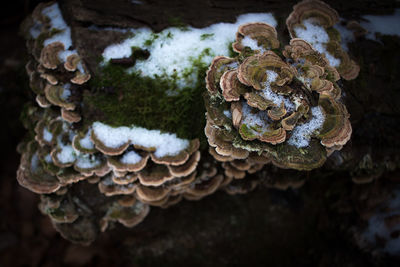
(267, 104)
(313, 21)
(283, 106)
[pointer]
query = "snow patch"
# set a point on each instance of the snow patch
(317, 37)
(47, 136)
(258, 119)
(131, 158)
(34, 163)
(377, 227)
(57, 22)
(165, 143)
(228, 114)
(87, 161)
(277, 99)
(249, 42)
(173, 50)
(66, 91)
(53, 12)
(301, 134)
(387, 24)
(48, 158)
(86, 142)
(67, 153)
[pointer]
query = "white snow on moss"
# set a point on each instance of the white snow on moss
(388, 24)
(165, 143)
(173, 51)
(317, 37)
(47, 136)
(131, 157)
(301, 134)
(86, 142)
(277, 99)
(377, 227)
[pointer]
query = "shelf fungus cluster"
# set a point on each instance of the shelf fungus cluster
(274, 105)
(99, 176)
(267, 105)
(90, 174)
(56, 71)
(313, 21)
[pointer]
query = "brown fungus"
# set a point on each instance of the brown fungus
(31, 174)
(128, 216)
(49, 55)
(315, 13)
(285, 107)
(264, 34)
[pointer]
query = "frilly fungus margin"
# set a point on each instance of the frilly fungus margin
(66, 153)
(283, 105)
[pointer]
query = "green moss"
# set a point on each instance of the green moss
(178, 22)
(206, 36)
(153, 37)
(139, 53)
(333, 34)
(121, 99)
(232, 53)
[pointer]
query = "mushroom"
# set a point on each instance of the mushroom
(187, 168)
(49, 55)
(151, 193)
(319, 14)
(31, 174)
(154, 175)
(128, 216)
(263, 35)
(203, 188)
(109, 188)
(291, 113)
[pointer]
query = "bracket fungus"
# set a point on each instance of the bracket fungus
(283, 106)
(127, 168)
(313, 21)
(110, 139)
